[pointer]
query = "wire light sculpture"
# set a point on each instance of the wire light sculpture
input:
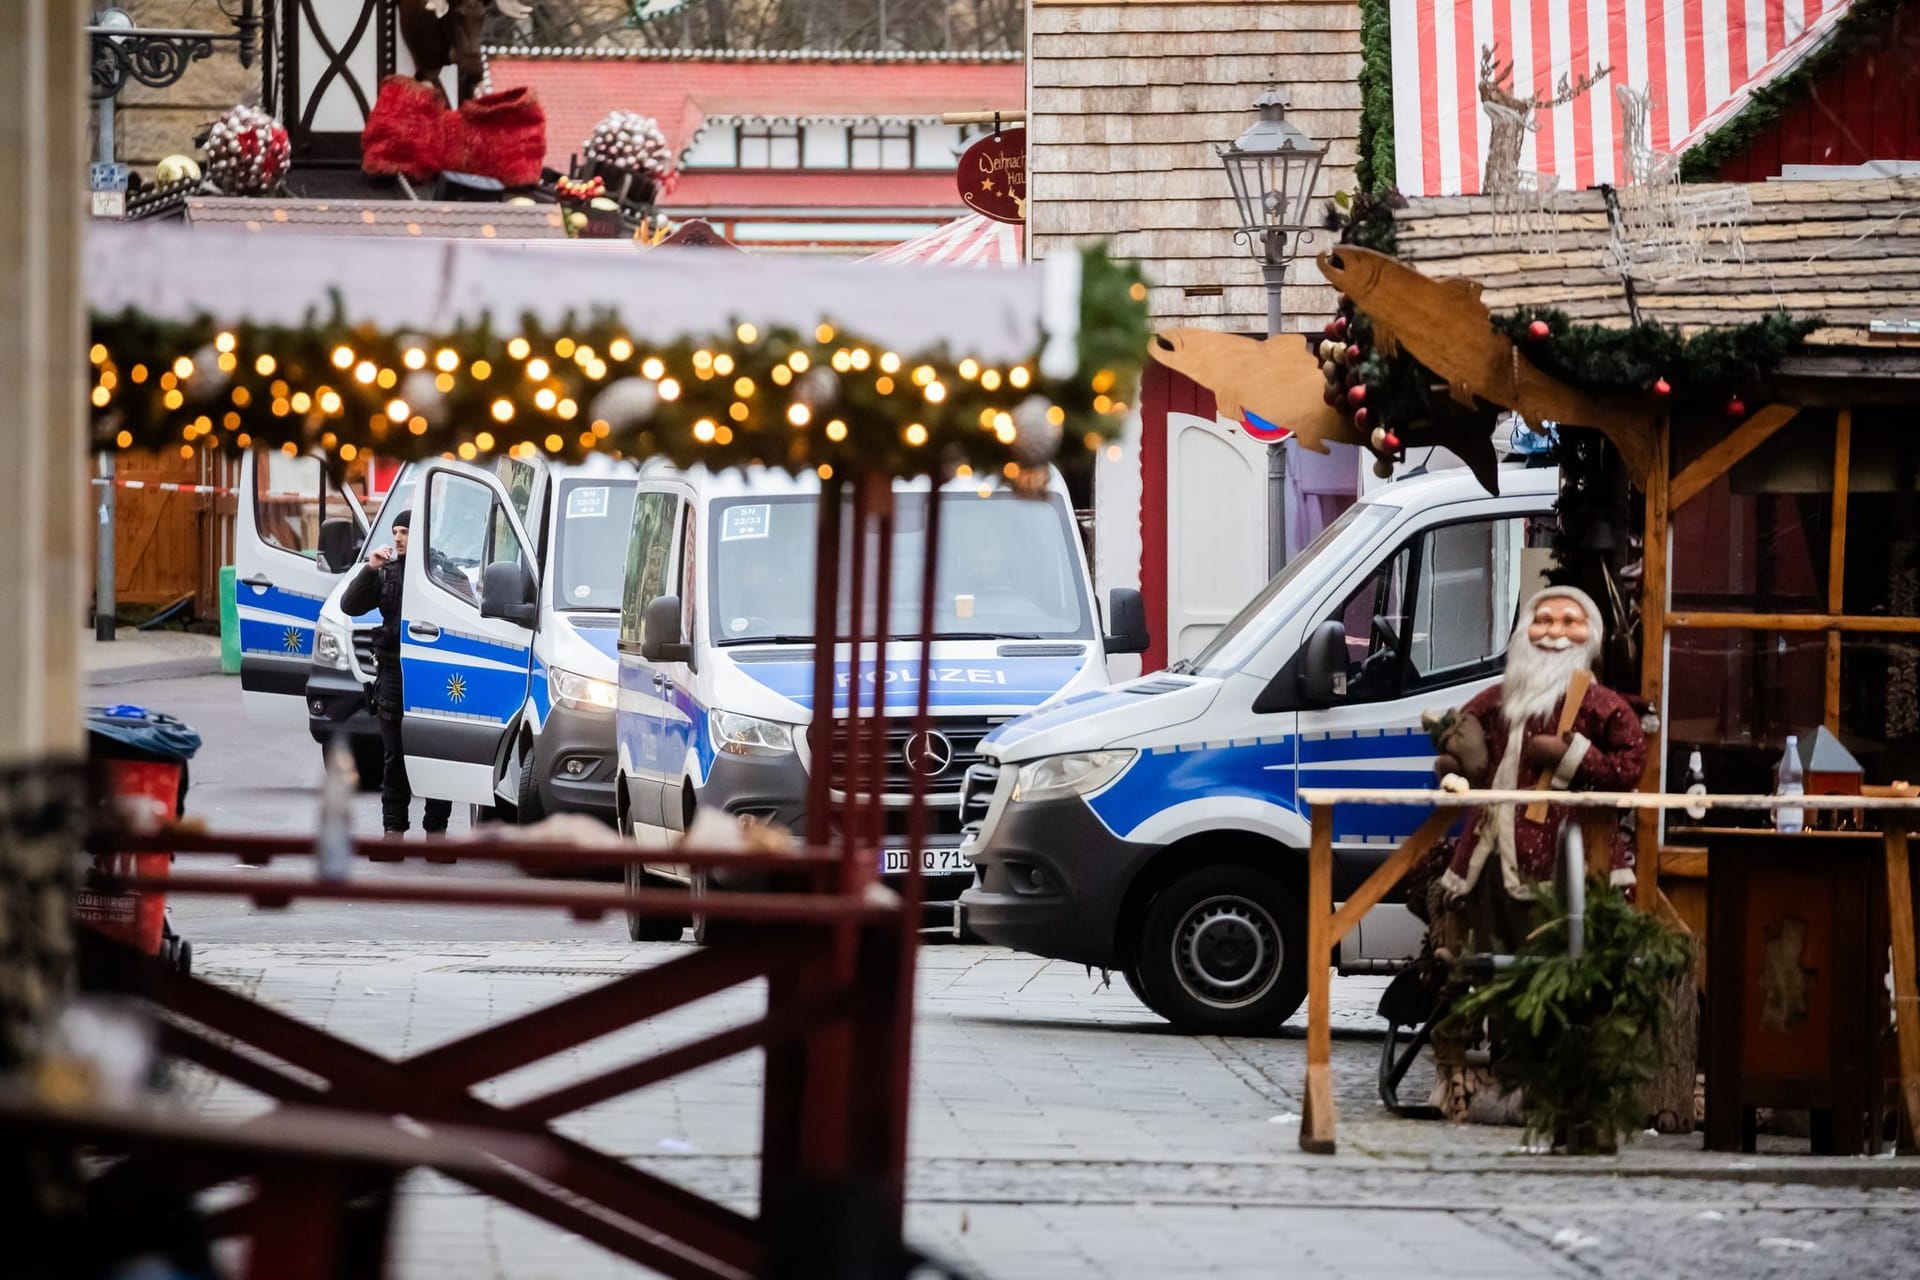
(1525, 202)
(1661, 229)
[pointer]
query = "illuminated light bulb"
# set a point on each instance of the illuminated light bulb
(889, 362)
(1003, 433)
(365, 371)
(343, 357)
(243, 440)
(262, 365)
(597, 370)
(414, 358)
(723, 364)
(467, 452)
(538, 369)
(602, 428)
(446, 360)
(555, 444)
(861, 357)
(98, 353)
(290, 449)
(124, 440)
(502, 411)
(799, 361)
(329, 401)
(564, 348)
(585, 356)
(1011, 471)
(301, 402)
(387, 379)
(224, 342)
(329, 440)
(652, 368)
(781, 375)
(669, 389)
(186, 451)
(703, 359)
(278, 387)
(824, 333)
(985, 490)
(228, 362)
(737, 411)
(842, 362)
(1113, 453)
(242, 397)
(1056, 415)
(398, 410)
(969, 368)
(100, 397)
(519, 348)
(483, 440)
(990, 379)
(747, 334)
(587, 440)
(443, 382)
(743, 387)
(139, 372)
(417, 425)
(173, 399)
(1103, 380)
(620, 349)
(481, 370)
(723, 434)
(546, 398)
(280, 408)
(883, 384)
(986, 419)
(836, 431)
(1019, 375)
(916, 434)
(1102, 404)
(230, 420)
(936, 392)
(799, 415)
(348, 452)
(824, 471)
(108, 379)
(167, 381)
(922, 375)
(567, 409)
(1137, 291)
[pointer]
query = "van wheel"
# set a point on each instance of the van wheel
(370, 762)
(1133, 985)
(1220, 953)
(708, 932)
(527, 807)
(650, 928)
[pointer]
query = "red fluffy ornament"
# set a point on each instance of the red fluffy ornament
(1539, 331)
(1661, 387)
(500, 135)
(407, 130)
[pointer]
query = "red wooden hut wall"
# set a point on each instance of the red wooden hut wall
(1162, 391)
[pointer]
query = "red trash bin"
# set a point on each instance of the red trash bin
(141, 757)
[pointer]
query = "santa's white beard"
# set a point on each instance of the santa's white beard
(1537, 678)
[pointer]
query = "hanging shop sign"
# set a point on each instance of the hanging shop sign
(993, 176)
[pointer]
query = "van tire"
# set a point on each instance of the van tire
(650, 928)
(527, 808)
(1221, 951)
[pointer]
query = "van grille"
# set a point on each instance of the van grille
(954, 747)
(363, 649)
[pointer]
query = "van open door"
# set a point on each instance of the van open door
(470, 607)
(297, 532)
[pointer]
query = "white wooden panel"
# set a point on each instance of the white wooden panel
(1216, 527)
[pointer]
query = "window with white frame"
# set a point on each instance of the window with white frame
(769, 145)
(880, 144)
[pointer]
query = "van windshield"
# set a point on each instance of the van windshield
(1008, 569)
(1241, 638)
(590, 557)
(399, 498)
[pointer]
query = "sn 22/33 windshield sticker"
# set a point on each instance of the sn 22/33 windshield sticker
(752, 521)
(587, 504)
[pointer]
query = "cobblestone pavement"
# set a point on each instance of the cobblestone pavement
(1059, 1129)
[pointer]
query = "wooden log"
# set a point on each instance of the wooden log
(1317, 1114)
(1906, 983)
(1577, 686)
(1735, 445)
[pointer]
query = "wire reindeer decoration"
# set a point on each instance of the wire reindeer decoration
(1523, 200)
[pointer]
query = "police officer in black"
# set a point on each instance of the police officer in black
(378, 585)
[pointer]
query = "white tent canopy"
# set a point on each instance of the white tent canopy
(973, 241)
(174, 273)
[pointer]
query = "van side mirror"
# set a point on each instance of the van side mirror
(660, 638)
(507, 592)
(340, 543)
(1323, 674)
(1127, 613)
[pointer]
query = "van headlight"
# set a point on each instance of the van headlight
(1079, 774)
(582, 693)
(750, 736)
(330, 646)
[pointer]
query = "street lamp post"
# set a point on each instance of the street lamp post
(1272, 168)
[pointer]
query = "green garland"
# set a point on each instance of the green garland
(777, 397)
(1702, 370)
(1865, 21)
(1374, 169)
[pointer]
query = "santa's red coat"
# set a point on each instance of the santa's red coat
(1608, 751)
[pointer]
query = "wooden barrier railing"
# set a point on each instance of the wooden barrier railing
(1326, 926)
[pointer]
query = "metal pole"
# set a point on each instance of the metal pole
(104, 604)
(1275, 271)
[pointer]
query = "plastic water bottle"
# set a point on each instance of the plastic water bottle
(333, 846)
(1696, 785)
(1791, 781)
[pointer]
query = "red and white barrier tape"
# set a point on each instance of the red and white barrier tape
(165, 486)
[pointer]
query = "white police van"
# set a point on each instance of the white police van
(1155, 827)
(509, 687)
(716, 652)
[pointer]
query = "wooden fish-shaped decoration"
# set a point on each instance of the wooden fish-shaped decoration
(1273, 388)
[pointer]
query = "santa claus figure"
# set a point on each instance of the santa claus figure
(1509, 738)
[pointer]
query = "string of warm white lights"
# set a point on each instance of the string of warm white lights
(779, 397)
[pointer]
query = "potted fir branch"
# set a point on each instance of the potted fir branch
(1581, 1037)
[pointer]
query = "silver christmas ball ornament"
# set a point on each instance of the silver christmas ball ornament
(625, 404)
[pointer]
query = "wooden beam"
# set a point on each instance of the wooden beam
(1719, 459)
(1317, 1117)
(1698, 619)
(1837, 560)
(1388, 874)
(1906, 984)
(1654, 601)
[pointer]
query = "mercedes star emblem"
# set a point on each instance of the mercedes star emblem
(927, 754)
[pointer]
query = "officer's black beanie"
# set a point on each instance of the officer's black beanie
(404, 520)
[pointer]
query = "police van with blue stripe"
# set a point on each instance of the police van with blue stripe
(1155, 828)
(717, 654)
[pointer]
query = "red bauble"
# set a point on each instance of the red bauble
(1339, 327)
(1357, 393)
(1736, 407)
(1392, 442)
(1360, 415)
(1354, 353)
(1331, 329)
(1539, 331)
(1661, 387)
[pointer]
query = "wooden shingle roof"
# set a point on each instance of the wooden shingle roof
(451, 220)
(1846, 251)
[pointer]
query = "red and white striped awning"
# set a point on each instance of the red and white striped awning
(972, 241)
(1700, 58)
